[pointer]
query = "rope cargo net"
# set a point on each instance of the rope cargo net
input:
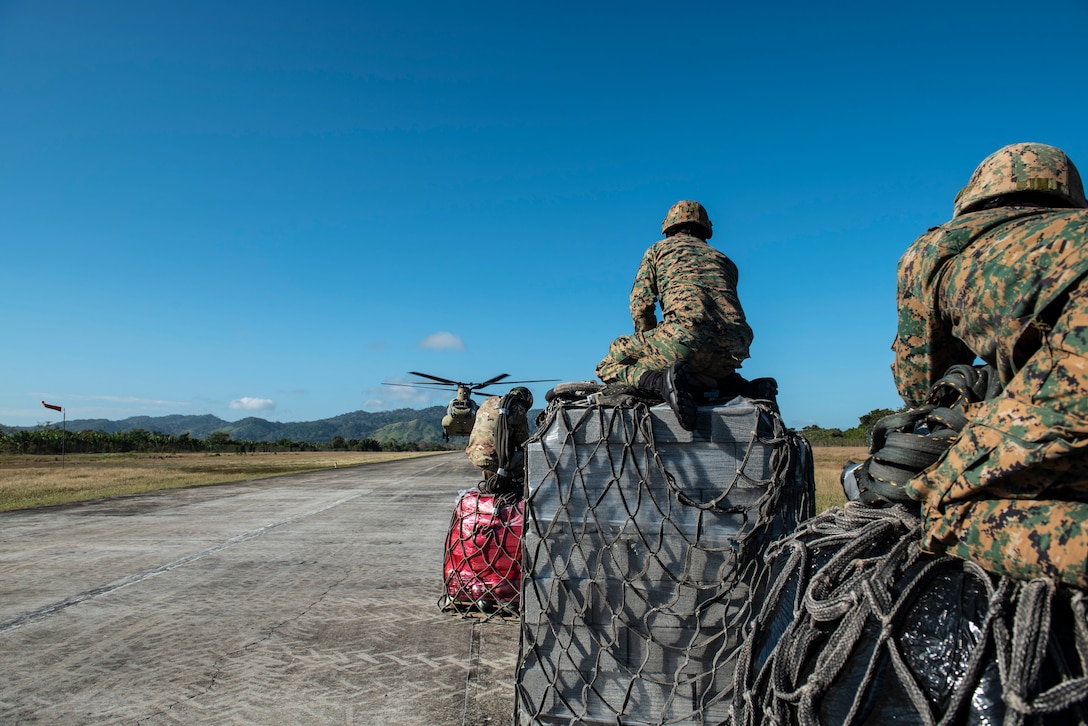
(483, 557)
(483, 548)
(860, 626)
(640, 547)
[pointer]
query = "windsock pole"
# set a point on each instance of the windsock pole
(64, 428)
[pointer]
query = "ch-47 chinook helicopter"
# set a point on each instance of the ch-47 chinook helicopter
(461, 411)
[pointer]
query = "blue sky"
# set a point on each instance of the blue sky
(273, 208)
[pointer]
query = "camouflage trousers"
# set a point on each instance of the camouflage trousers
(630, 356)
(1011, 493)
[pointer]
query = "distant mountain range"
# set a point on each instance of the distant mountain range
(402, 424)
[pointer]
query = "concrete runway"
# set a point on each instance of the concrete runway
(304, 599)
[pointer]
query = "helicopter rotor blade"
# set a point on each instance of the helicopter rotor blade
(438, 382)
(513, 383)
(427, 386)
(489, 381)
(447, 381)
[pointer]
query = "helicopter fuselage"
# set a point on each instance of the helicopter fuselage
(460, 416)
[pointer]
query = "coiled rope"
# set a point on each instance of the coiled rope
(859, 624)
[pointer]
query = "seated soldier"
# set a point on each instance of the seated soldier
(703, 335)
(1004, 281)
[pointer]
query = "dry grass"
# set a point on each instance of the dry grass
(828, 462)
(34, 481)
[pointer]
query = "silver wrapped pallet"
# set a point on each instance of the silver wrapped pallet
(642, 544)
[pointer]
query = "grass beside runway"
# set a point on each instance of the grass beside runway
(35, 481)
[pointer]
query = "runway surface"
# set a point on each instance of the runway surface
(303, 599)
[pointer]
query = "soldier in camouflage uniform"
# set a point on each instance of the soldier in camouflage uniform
(702, 323)
(1004, 280)
(483, 442)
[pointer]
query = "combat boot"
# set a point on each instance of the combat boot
(675, 386)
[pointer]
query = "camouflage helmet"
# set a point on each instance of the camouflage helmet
(1022, 168)
(524, 394)
(687, 212)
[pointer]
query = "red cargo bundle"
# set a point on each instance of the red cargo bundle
(483, 553)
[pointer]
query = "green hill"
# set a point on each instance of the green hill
(402, 424)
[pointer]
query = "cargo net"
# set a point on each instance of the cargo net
(637, 579)
(483, 557)
(860, 626)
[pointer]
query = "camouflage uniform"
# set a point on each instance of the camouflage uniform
(481, 449)
(702, 319)
(1008, 285)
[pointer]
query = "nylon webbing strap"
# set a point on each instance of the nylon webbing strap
(509, 467)
(904, 444)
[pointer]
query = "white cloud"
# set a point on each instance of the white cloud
(252, 404)
(442, 341)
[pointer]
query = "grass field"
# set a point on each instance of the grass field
(34, 481)
(828, 461)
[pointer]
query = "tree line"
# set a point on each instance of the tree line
(58, 441)
(856, 436)
(49, 440)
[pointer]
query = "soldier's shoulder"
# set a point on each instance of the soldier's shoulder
(1070, 221)
(1022, 223)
